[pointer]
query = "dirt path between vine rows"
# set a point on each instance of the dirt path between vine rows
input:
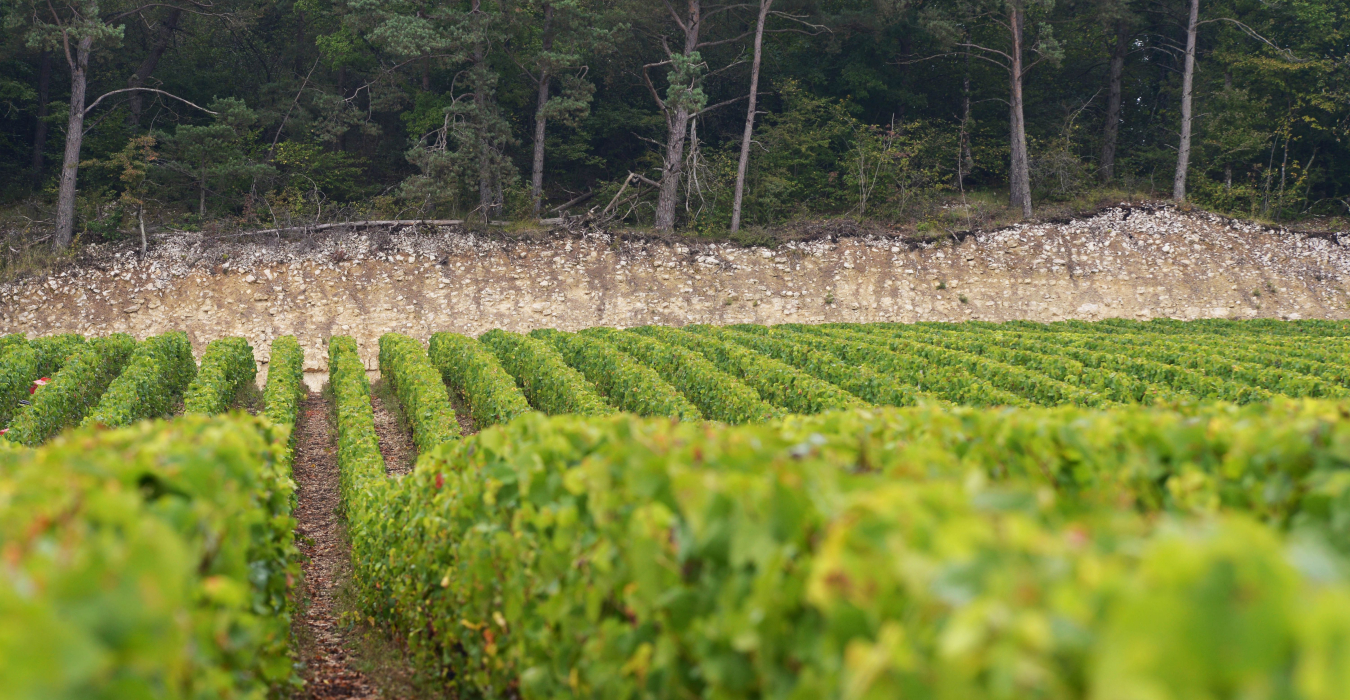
(396, 445)
(329, 669)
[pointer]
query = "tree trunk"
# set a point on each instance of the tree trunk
(342, 92)
(1187, 81)
(670, 179)
(1284, 171)
(764, 6)
(540, 120)
(147, 67)
(677, 130)
(140, 218)
(70, 165)
(1113, 96)
(1228, 166)
(201, 190)
(480, 102)
(484, 147)
(1019, 176)
(40, 128)
(965, 161)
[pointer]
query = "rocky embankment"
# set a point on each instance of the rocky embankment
(1121, 262)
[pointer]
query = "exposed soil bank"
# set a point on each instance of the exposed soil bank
(1122, 262)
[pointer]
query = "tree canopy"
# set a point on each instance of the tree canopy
(278, 112)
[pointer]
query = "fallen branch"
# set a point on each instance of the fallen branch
(574, 201)
(357, 224)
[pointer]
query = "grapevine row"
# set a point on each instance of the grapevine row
(777, 382)
(627, 383)
(155, 561)
(227, 365)
(545, 378)
(718, 395)
(420, 390)
(561, 553)
(947, 382)
(471, 370)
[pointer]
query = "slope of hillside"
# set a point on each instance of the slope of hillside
(1121, 262)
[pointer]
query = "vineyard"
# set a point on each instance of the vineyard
(1115, 510)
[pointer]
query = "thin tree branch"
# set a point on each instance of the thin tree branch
(273, 148)
(1288, 55)
(94, 104)
(719, 104)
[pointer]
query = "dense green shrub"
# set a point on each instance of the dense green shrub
(777, 382)
(18, 369)
(1179, 381)
(155, 377)
(420, 390)
(285, 381)
(227, 365)
(11, 339)
(155, 561)
(363, 482)
(860, 380)
(359, 458)
(73, 391)
(54, 350)
(542, 375)
(627, 383)
(717, 394)
(1031, 384)
(22, 362)
(474, 373)
(948, 382)
(878, 553)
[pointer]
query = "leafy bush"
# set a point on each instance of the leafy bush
(546, 380)
(285, 381)
(18, 369)
(359, 458)
(1171, 378)
(472, 371)
(420, 390)
(627, 383)
(1032, 385)
(154, 379)
(859, 380)
(227, 365)
(73, 390)
(874, 553)
(363, 482)
(948, 382)
(54, 350)
(778, 382)
(22, 362)
(151, 561)
(717, 394)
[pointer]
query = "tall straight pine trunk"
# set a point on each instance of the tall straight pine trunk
(746, 137)
(70, 164)
(1187, 83)
(1115, 74)
(541, 119)
(1019, 174)
(487, 199)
